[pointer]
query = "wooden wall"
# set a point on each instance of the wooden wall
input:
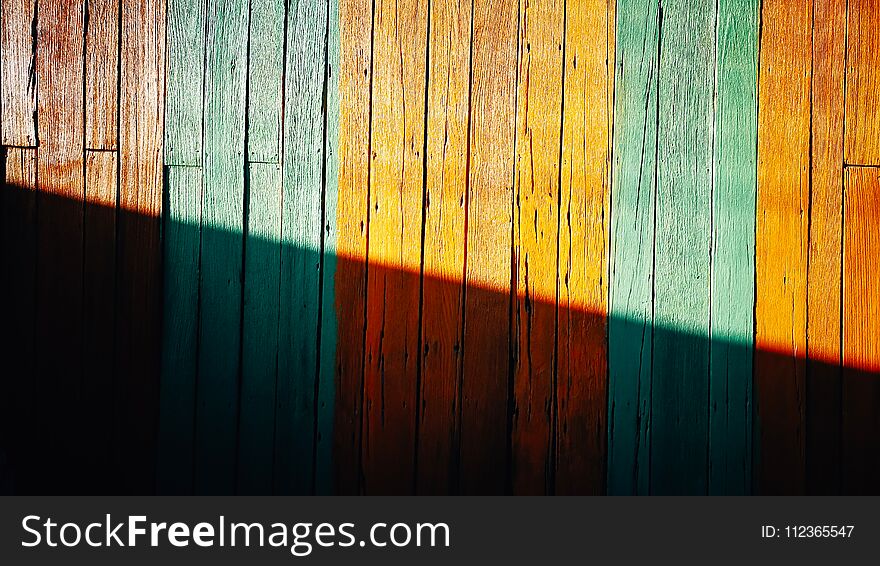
(445, 246)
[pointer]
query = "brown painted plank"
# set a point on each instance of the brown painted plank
(861, 332)
(862, 83)
(781, 243)
(396, 183)
(536, 239)
(102, 46)
(60, 252)
(824, 261)
(443, 291)
(99, 306)
(18, 241)
(351, 218)
(583, 248)
(18, 81)
(141, 110)
(484, 409)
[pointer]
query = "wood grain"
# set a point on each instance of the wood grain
(862, 83)
(260, 312)
(265, 80)
(301, 249)
(733, 249)
(487, 335)
(102, 86)
(781, 243)
(60, 177)
(630, 328)
(179, 370)
(535, 241)
(18, 73)
(185, 78)
(393, 287)
(449, 55)
(221, 253)
(355, 67)
(823, 411)
(861, 332)
(585, 191)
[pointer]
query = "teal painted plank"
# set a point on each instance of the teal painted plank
(262, 265)
(301, 247)
(733, 248)
(184, 82)
(174, 474)
(221, 263)
(680, 380)
(632, 249)
(326, 379)
(265, 76)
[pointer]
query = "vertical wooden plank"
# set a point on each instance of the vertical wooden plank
(19, 246)
(182, 244)
(861, 332)
(449, 54)
(221, 263)
(99, 310)
(536, 240)
(60, 237)
(396, 184)
(733, 248)
(324, 435)
(862, 83)
(177, 401)
(185, 80)
(259, 362)
(102, 57)
(781, 243)
(630, 328)
(18, 78)
(265, 81)
(581, 383)
(139, 280)
(301, 248)
(486, 365)
(680, 384)
(355, 17)
(823, 411)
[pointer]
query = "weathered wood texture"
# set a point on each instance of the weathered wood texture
(18, 73)
(862, 83)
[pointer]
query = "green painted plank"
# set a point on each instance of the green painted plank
(326, 379)
(632, 249)
(733, 248)
(262, 265)
(183, 205)
(221, 262)
(265, 78)
(184, 82)
(680, 380)
(301, 247)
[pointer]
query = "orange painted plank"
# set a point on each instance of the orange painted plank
(18, 85)
(824, 262)
(396, 184)
(18, 245)
(484, 409)
(861, 332)
(781, 243)
(99, 307)
(141, 116)
(862, 83)
(60, 223)
(583, 248)
(355, 18)
(536, 237)
(102, 44)
(444, 247)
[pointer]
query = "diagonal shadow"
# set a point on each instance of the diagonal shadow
(87, 409)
